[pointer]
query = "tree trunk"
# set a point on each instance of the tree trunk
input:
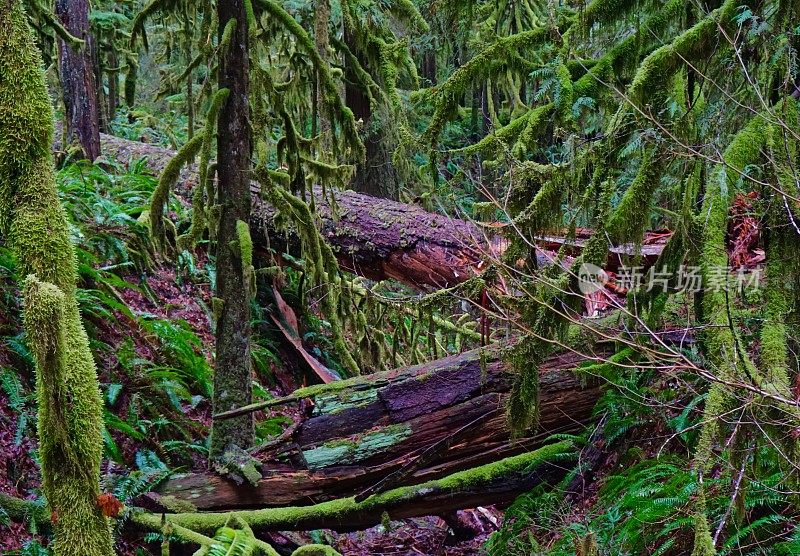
(35, 227)
(376, 176)
(364, 429)
(429, 65)
(322, 16)
(77, 78)
(113, 85)
(382, 240)
(378, 240)
(232, 377)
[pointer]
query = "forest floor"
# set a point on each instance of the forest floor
(173, 299)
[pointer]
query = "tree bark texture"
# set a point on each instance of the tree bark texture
(377, 239)
(78, 80)
(499, 482)
(232, 376)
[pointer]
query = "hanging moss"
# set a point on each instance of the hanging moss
(319, 257)
(603, 11)
(199, 209)
(692, 46)
(703, 543)
(339, 113)
(522, 409)
(481, 67)
(169, 176)
(631, 218)
(36, 229)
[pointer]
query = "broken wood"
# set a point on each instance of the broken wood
(365, 428)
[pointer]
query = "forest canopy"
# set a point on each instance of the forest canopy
(399, 277)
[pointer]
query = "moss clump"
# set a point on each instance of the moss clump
(691, 46)
(205, 172)
(630, 219)
(35, 225)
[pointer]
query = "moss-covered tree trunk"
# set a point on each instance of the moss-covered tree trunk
(232, 377)
(78, 79)
(35, 227)
(376, 175)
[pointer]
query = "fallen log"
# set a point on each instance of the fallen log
(500, 482)
(379, 238)
(363, 429)
(375, 238)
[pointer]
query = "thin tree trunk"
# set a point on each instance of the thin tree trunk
(322, 17)
(113, 85)
(232, 379)
(78, 79)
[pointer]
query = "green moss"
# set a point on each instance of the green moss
(315, 550)
(287, 518)
(703, 543)
(483, 66)
(169, 176)
(36, 230)
(24, 510)
(203, 185)
(357, 449)
(631, 218)
(131, 76)
(692, 46)
(176, 505)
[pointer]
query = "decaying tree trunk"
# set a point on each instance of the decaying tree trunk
(78, 80)
(233, 375)
(364, 429)
(378, 239)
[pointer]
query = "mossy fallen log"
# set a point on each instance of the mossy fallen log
(365, 428)
(499, 482)
(376, 238)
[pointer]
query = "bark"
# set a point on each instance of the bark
(113, 85)
(322, 16)
(429, 65)
(430, 421)
(232, 377)
(378, 240)
(36, 231)
(78, 79)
